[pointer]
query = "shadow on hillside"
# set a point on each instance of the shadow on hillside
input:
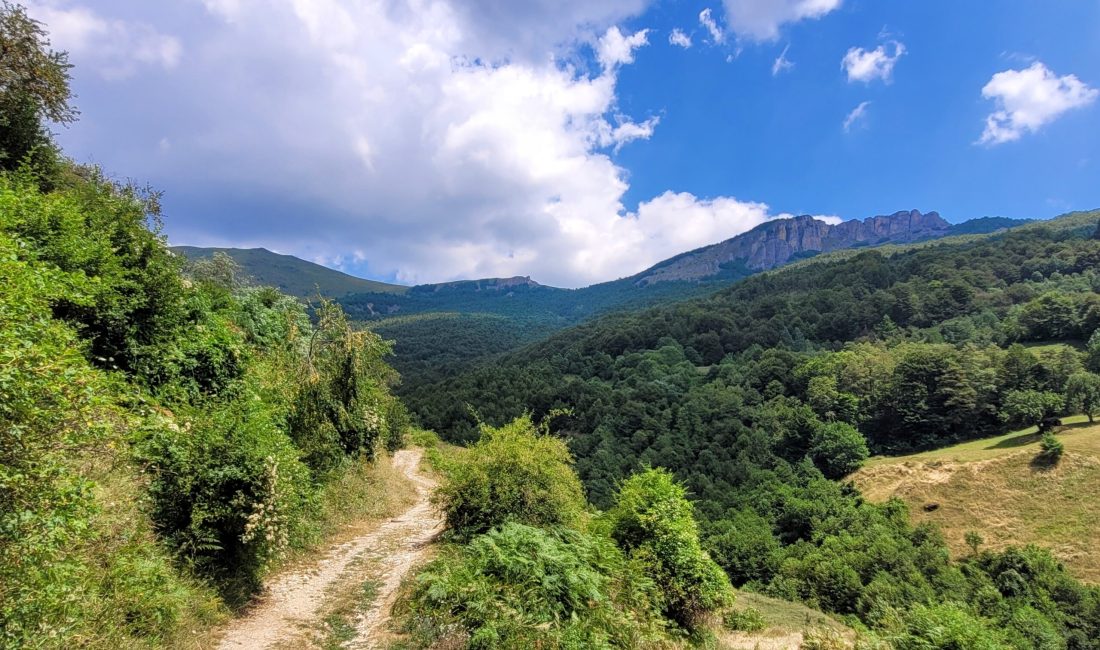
(1017, 441)
(1022, 439)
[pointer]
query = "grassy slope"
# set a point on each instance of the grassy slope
(991, 486)
(291, 275)
(787, 624)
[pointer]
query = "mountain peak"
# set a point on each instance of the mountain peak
(776, 242)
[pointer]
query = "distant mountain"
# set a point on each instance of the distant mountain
(292, 275)
(985, 225)
(779, 241)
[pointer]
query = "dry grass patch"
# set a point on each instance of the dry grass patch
(994, 488)
(787, 625)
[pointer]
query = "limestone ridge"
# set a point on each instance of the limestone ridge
(778, 241)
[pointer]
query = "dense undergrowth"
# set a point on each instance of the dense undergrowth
(529, 564)
(167, 434)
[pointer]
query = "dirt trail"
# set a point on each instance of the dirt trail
(295, 601)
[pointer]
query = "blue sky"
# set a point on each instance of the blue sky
(576, 142)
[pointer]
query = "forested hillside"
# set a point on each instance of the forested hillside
(759, 395)
(289, 274)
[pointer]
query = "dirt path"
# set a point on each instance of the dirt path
(295, 601)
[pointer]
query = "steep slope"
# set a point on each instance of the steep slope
(993, 486)
(292, 275)
(776, 242)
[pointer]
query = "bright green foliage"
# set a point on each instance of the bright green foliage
(523, 587)
(653, 522)
(946, 626)
(744, 620)
(1050, 316)
(145, 415)
(1083, 394)
(343, 408)
(228, 492)
(514, 473)
(63, 573)
(1031, 407)
(838, 449)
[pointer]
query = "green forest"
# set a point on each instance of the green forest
(613, 473)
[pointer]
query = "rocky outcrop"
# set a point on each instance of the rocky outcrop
(778, 241)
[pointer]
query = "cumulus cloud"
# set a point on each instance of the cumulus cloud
(115, 48)
(706, 19)
(1028, 99)
(868, 65)
(856, 116)
(678, 37)
(395, 139)
(782, 64)
(615, 49)
(760, 20)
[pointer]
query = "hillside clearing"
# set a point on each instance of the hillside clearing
(992, 487)
(787, 624)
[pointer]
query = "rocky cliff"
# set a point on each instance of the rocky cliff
(774, 243)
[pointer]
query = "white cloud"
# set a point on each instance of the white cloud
(706, 19)
(678, 37)
(760, 20)
(782, 64)
(868, 65)
(856, 116)
(1028, 99)
(398, 140)
(115, 48)
(614, 49)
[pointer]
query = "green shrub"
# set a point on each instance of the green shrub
(946, 626)
(227, 490)
(1050, 449)
(653, 522)
(838, 449)
(343, 407)
(513, 473)
(523, 587)
(744, 620)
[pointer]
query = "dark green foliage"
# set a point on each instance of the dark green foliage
(519, 586)
(801, 350)
(653, 522)
(341, 410)
(838, 449)
(226, 492)
(513, 473)
(1050, 449)
(1083, 394)
(34, 88)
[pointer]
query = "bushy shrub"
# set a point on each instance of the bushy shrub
(513, 473)
(653, 522)
(744, 620)
(523, 587)
(946, 626)
(227, 489)
(838, 449)
(342, 408)
(1050, 449)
